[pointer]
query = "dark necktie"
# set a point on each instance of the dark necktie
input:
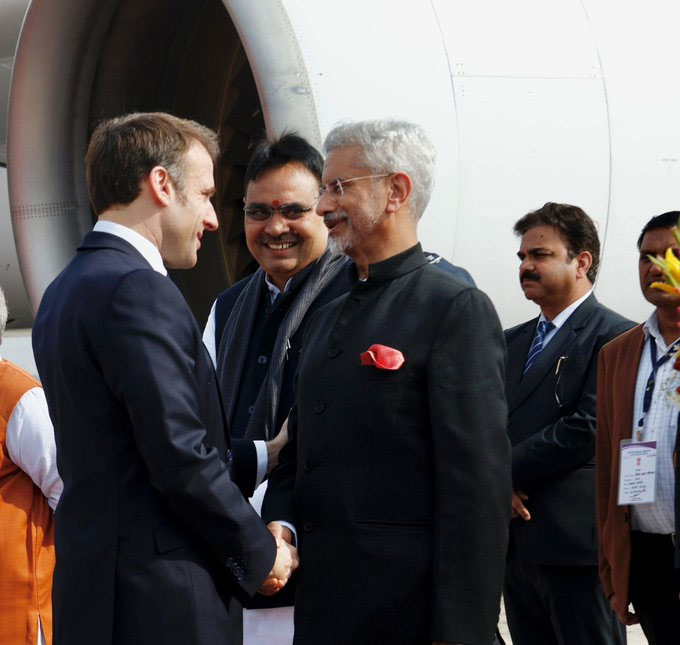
(537, 344)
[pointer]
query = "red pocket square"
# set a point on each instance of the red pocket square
(382, 357)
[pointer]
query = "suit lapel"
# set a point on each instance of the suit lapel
(558, 346)
(518, 350)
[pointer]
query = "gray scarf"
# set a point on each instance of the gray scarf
(236, 339)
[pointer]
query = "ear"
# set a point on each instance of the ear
(400, 187)
(160, 185)
(584, 261)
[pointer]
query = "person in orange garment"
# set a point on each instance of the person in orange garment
(30, 487)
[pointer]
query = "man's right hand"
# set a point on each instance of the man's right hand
(286, 560)
(518, 508)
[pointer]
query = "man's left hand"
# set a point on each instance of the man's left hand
(274, 447)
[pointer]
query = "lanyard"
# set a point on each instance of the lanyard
(651, 380)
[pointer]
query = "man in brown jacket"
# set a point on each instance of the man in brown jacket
(639, 555)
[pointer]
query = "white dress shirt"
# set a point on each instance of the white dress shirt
(660, 425)
(31, 445)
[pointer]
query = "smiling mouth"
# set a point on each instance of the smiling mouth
(279, 246)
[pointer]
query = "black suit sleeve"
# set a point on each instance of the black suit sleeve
(570, 441)
(278, 504)
(467, 408)
(152, 348)
(244, 471)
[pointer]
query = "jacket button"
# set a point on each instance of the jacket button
(251, 409)
(308, 526)
(333, 352)
(309, 465)
(319, 407)
(262, 360)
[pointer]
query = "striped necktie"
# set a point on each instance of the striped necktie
(537, 344)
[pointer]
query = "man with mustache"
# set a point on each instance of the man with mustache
(552, 592)
(397, 474)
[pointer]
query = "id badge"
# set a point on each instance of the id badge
(637, 472)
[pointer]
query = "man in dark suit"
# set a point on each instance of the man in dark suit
(397, 473)
(638, 376)
(552, 593)
(152, 536)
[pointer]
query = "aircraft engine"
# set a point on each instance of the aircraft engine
(528, 102)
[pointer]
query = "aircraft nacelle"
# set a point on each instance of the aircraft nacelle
(531, 101)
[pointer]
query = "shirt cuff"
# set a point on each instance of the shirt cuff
(262, 461)
(292, 530)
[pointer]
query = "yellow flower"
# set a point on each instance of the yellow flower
(664, 286)
(670, 267)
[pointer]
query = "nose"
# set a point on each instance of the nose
(210, 222)
(525, 264)
(654, 270)
(326, 204)
(276, 225)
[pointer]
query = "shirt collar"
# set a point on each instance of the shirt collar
(273, 289)
(563, 316)
(291, 285)
(146, 248)
(651, 328)
(394, 267)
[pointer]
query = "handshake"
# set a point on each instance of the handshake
(286, 560)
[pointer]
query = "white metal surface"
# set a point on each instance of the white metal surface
(11, 16)
(530, 101)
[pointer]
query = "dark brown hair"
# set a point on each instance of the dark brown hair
(665, 220)
(574, 226)
(124, 150)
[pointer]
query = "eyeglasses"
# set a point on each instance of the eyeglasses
(261, 213)
(334, 188)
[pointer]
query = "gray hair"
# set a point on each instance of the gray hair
(390, 146)
(3, 313)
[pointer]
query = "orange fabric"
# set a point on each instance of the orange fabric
(616, 377)
(26, 533)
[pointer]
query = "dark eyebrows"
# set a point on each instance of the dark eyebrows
(533, 251)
